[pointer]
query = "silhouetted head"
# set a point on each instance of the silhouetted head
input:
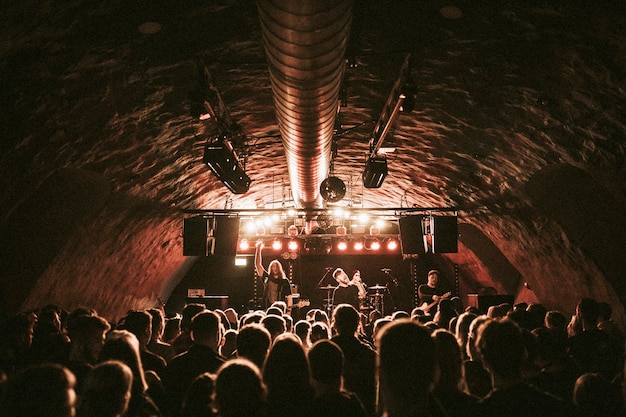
(345, 319)
(239, 390)
(40, 391)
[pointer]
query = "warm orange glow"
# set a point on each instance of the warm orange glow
(277, 245)
(342, 245)
(392, 244)
(292, 245)
(244, 244)
(358, 245)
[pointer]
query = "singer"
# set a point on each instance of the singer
(348, 291)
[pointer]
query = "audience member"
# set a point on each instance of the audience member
(198, 401)
(15, 343)
(123, 346)
(274, 324)
(302, 329)
(595, 396)
(331, 400)
(87, 335)
(557, 375)
(171, 331)
(183, 341)
(106, 391)
(286, 374)
(156, 344)
(594, 350)
(239, 390)
(450, 388)
(606, 323)
(462, 331)
(407, 365)
(319, 331)
(253, 343)
(501, 346)
(556, 321)
(40, 391)
(228, 344)
(360, 359)
(201, 357)
(139, 323)
(476, 376)
(50, 344)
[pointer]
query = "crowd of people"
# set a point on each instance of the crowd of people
(517, 360)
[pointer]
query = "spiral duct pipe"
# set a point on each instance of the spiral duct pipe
(305, 43)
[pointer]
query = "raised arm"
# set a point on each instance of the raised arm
(258, 259)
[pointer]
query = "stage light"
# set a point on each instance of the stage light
(250, 227)
(292, 230)
(358, 244)
(291, 212)
(260, 230)
(244, 244)
(372, 244)
(375, 172)
(374, 230)
(222, 160)
(342, 230)
(363, 218)
(392, 244)
(292, 245)
(277, 244)
(342, 245)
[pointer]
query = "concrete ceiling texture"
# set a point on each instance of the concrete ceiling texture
(518, 123)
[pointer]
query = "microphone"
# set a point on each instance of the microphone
(385, 270)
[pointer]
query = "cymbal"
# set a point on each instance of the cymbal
(326, 288)
(378, 287)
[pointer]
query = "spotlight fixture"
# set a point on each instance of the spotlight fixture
(358, 245)
(277, 244)
(220, 157)
(292, 245)
(375, 172)
(341, 230)
(292, 230)
(342, 245)
(244, 244)
(392, 244)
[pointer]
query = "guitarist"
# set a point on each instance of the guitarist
(430, 294)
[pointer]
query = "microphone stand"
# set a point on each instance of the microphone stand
(395, 282)
(319, 284)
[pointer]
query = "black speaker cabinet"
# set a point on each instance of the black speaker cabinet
(196, 237)
(445, 231)
(226, 233)
(411, 235)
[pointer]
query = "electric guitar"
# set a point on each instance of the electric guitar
(291, 305)
(426, 307)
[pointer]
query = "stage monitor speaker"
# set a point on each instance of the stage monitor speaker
(445, 231)
(411, 235)
(197, 240)
(226, 234)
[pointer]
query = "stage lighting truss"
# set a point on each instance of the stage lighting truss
(348, 231)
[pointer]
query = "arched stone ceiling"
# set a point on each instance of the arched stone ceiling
(504, 91)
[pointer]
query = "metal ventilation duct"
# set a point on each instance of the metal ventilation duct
(305, 42)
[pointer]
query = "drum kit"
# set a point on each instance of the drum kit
(373, 301)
